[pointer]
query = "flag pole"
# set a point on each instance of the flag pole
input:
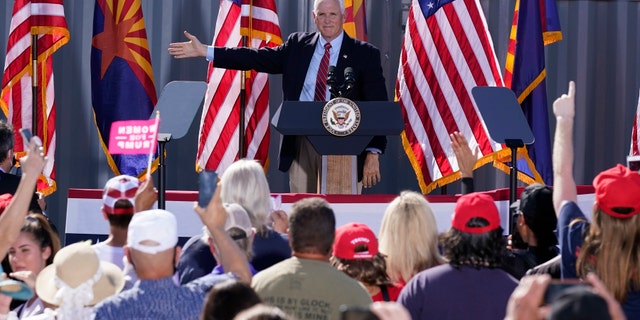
(152, 150)
(34, 84)
(245, 12)
(243, 106)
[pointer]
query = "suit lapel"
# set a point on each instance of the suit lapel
(345, 59)
(307, 47)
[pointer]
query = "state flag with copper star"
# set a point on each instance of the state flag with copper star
(122, 85)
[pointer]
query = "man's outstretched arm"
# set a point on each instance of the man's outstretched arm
(188, 49)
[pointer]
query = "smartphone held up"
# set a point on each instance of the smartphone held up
(208, 180)
(26, 138)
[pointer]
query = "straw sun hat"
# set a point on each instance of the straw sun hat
(74, 266)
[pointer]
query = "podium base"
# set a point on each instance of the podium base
(338, 175)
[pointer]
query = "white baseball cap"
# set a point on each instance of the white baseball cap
(237, 218)
(152, 231)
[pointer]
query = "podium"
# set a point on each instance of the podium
(304, 118)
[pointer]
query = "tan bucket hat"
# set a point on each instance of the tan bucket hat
(75, 265)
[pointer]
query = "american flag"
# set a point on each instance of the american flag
(218, 141)
(447, 51)
(355, 23)
(635, 144)
(46, 19)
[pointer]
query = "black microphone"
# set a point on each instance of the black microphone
(331, 81)
(349, 79)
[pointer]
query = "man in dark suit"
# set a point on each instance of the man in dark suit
(9, 182)
(298, 60)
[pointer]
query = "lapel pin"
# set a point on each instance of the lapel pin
(344, 56)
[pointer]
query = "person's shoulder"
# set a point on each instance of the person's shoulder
(8, 179)
(283, 266)
(209, 280)
(107, 308)
(363, 45)
(571, 214)
(194, 243)
(435, 271)
(551, 267)
(271, 237)
(300, 37)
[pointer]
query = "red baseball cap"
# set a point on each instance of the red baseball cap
(349, 237)
(618, 187)
(475, 205)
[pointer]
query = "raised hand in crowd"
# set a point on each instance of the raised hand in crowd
(615, 310)
(466, 158)
(526, 300)
(13, 217)
(564, 188)
(565, 105)
(279, 221)
(146, 196)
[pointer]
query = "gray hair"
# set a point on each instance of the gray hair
(245, 183)
(316, 3)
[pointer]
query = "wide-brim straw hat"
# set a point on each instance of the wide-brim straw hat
(74, 265)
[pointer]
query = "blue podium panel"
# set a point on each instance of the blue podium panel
(502, 114)
(178, 104)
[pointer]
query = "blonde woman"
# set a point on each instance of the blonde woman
(409, 237)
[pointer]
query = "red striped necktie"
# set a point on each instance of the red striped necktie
(321, 79)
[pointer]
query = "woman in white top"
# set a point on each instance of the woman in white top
(32, 251)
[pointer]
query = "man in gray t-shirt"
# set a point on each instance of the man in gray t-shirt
(306, 286)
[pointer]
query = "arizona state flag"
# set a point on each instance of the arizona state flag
(535, 25)
(355, 23)
(122, 86)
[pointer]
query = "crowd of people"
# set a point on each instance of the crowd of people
(252, 261)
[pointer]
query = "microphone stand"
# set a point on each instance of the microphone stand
(339, 91)
(334, 89)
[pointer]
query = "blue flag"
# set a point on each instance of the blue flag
(536, 24)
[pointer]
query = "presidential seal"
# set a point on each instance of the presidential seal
(341, 117)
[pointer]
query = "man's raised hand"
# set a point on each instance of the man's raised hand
(565, 105)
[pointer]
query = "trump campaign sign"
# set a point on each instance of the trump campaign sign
(133, 136)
